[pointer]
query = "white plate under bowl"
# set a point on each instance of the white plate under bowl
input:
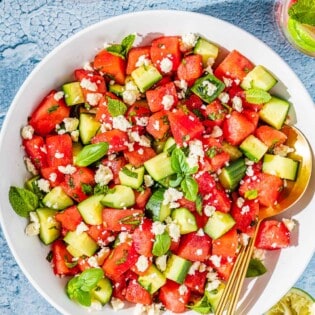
(284, 267)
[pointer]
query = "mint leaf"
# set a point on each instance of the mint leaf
(116, 107)
(22, 200)
(190, 188)
(91, 153)
(257, 96)
(123, 48)
(161, 244)
(303, 11)
(255, 268)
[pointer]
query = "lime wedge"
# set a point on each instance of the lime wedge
(295, 302)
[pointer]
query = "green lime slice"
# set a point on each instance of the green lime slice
(295, 302)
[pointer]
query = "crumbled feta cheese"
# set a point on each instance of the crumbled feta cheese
(194, 267)
(142, 263)
(227, 81)
(200, 232)
(32, 229)
(71, 124)
(240, 202)
(158, 228)
(93, 98)
(245, 209)
(120, 122)
(143, 60)
(82, 227)
(210, 87)
(244, 239)
(117, 304)
(212, 275)
(173, 230)
(199, 252)
(171, 195)
(237, 103)
(224, 97)
(58, 96)
(95, 306)
(106, 127)
(129, 97)
(216, 260)
(161, 262)
(69, 169)
(103, 175)
(123, 237)
(27, 132)
(181, 84)
(208, 210)
(88, 85)
(142, 121)
(168, 101)
(289, 223)
(148, 181)
(59, 155)
(259, 253)
(153, 309)
(43, 185)
(216, 132)
(92, 261)
(75, 135)
(166, 65)
(213, 285)
(189, 40)
(182, 289)
(282, 150)
(249, 171)
(30, 166)
(87, 66)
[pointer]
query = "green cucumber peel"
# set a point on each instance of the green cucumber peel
(23, 201)
(91, 153)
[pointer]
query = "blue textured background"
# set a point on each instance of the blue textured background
(29, 29)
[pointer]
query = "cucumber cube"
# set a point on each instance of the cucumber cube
(88, 127)
(253, 148)
(152, 280)
(177, 268)
(131, 176)
(91, 209)
(159, 166)
(103, 291)
(81, 243)
(280, 166)
(185, 219)
(57, 199)
(259, 78)
(275, 112)
(206, 50)
(145, 77)
(119, 197)
(218, 224)
(73, 93)
(49, 226)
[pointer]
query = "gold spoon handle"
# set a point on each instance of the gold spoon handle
(234, 285)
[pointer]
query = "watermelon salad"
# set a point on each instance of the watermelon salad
(148, 169)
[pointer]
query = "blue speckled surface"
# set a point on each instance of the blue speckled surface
(29, 29)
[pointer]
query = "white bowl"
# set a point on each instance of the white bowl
(284, 267)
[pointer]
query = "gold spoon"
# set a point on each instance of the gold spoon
(293, 191)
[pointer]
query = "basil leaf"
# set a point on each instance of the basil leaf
(178, 161)
(190, 188)
(90, 278)
(199, 204)
(255, 268)
(91, 153)
(22, 200)
(116, 107)
(175, 180)
(161, 244)
(303, 11)
(257, 96)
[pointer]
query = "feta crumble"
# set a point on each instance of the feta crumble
(103, 175)
(88, 85)
(166, 65)
(117, 304)
(189, 40)
(93, 98)
(168, 101)
(171, 195)
(69, 169)
(142, 263)
(210, 87)
(120, 122)
(58, 96)
(27, 132)
(43, 185)
(161, 262)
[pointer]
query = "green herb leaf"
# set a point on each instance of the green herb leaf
(303, 11)
(87, 189)
(161, 244)
(129, 173)
(123, 48)
(203, 306)
(257, 96)
(116, 107)
(79, 288)
(91, 153)
(190, 188)
(22, 200)
(178, 161)
(199, 204)
(251, 194)
(175, 180)
(255, 268)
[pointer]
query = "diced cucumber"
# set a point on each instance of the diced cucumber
(118, 197)
(232, 150)
(232, 174)
(74, 251)
(169, 144)
(145, 77)
(177, 268)
(103, 291)
(185, 219)
(57, 199)
(49, 226)
(253, 148)
(117, 89)
(275, 112)
(155, 207)
(31, 184)
(159, 166)
(208, 88)
(152, 280)
(131, 176)
(283, 167)
(73, 93)
(259, 78)
(214, 296)
(91, 209)
(218, 224)
(88, 127)
(206, 50)
(81, 242)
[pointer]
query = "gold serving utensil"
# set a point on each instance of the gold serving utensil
(293, 191)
